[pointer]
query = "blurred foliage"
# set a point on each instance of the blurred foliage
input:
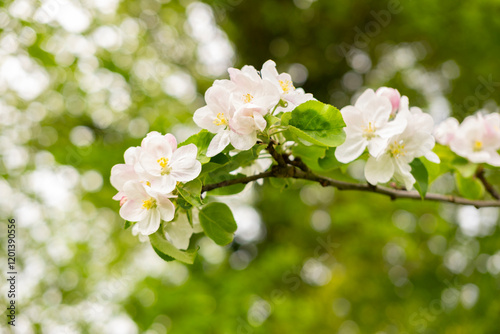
(75, 93)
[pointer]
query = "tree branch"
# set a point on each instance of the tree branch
(296, 173)
(488, 186)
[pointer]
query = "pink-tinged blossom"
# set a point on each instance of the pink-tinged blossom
(236, 108)
(146, 207)
(446, 131)
(162, 164)
(478, 139)
(368, 126)
(392, 94)
(283, 82)
(415, 141)
(122, 173)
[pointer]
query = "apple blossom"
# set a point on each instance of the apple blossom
(478, 139)
(162, 164)
(283, 82)
(446, 130)
(368, 125)
(146, 207)
(122, 173)
(415, 141)
(394, 97)
(217, 117)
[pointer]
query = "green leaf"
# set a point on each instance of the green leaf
(464, 167)
(329, 161)
(127, 224)
(421, 175)
(433, 169)
(469, 187)
(191, 192)
(310, 155)
(162, 246)
(271, 120)
(218, 222)
(163, 256)
(316, 122)
(280, 183)
(202, 139)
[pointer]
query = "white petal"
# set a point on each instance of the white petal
(218, 143)
(243, 142)
(132, 154)
(432, 157)
(393, 127)
(379, 170)
(351, 149)
(204, 117)
(377, 146)
(184, 165)
(151, 223)
(269, 71)
(133, 211)
(364, 100)
(494, 159)
(179, 232)
(165, 207)
(121, 174)
(163, 184)
(353, 118)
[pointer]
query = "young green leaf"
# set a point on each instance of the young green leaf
(469, 187)
(191, 192)
(162, 246)
(329, 161)
(218, 222)
(421, 175)
(202, 139)
(127, 224)
(316, 122)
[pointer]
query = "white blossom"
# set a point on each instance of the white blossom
(368, 125)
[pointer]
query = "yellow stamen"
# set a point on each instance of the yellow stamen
(478, 145)
(286, 85)
(369, 131)
(220, 120)
(149, 203)
(163, 162)
(247, 98)
(165, 168)
(397, 149)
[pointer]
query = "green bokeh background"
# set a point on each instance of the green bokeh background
(320, 260)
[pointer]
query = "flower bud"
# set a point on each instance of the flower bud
(393, 96)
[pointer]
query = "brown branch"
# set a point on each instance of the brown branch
(296, 173)
(488, 186)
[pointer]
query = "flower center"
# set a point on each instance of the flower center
(247, 98)
(369, 131)
(397, 149)
(220, 119)
(478, 145)
(165, 168)
(286, 85)
(149, 203)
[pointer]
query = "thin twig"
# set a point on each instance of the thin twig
(488, 186)
(296, 173)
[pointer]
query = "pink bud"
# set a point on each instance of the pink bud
(392, 94)
(123, 200)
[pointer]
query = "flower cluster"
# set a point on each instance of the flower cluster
(476, 139)
(393, 133)
(146, 180)
(236, 107)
